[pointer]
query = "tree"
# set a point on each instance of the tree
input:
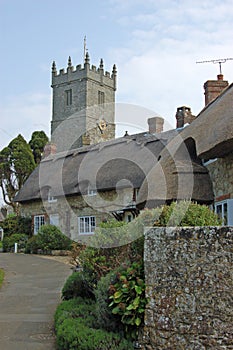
(16, 164)
(37, 143)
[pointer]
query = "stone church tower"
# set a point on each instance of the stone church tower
(83, 105)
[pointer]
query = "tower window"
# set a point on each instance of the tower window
(68, 97)
(100, 97)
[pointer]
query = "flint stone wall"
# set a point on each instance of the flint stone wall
(189, 278)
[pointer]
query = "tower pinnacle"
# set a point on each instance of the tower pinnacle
(54, 68)
(87, 58)
(69, 62)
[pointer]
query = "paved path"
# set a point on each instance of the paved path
(28, 299)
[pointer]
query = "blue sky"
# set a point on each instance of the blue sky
(154, 43)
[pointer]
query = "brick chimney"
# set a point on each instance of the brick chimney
(213, 88)
(49, 149)
(184, 116)
(155, 125)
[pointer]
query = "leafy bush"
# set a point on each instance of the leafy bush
(17, 224)
(9, 242)
(75, 308)
(74, 324)
(104, 316)
(79, 284)
(128, 298)
(49, 238)
(182, 213)
(32, 245)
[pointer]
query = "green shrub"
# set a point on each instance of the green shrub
(9, 242)
(17, 224)
(128, 298)
(75, 308)
(49, 238)
(182, 213)
(104, 316)
(79, 284)
(72, 334)
(75, 324)
(32, 245)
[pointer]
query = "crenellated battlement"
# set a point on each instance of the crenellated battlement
(82, 72)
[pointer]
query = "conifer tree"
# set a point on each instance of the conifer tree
(16, 164)
(37, 144)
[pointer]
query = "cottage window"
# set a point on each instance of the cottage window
(86, 225)
(51, 198)
(224, 210)
(39, 220)
(91, 191)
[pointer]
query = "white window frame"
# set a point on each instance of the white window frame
(38, 220)
(86, 225)
(224, 209)
(54, 219)
(51, 198)
(91, 191)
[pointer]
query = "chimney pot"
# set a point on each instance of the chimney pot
(220, 76)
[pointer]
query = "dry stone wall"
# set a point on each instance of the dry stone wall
(189, 278)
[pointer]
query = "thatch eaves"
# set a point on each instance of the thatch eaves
(213, 127)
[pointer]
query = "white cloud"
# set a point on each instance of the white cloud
(157, 66)
(24, 114)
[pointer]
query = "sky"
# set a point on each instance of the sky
(155, 45)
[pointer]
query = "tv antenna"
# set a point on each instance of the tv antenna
(219, 61)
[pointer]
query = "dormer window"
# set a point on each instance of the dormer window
(51, 198)
(91, 191)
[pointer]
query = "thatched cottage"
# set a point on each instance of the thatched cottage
(79, 188)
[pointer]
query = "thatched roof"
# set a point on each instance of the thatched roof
(213, 127)
(178, 175)
(125, 162)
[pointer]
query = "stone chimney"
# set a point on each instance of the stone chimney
(184, 116)
(49, 149)
(155, 125)
(213, 88)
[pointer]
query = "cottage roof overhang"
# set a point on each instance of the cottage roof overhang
(213, 127)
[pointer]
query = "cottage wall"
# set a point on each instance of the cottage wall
(189, 278)
(221, 173)
(71, 207)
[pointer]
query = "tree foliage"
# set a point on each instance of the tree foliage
(37, 143)
(16, 164)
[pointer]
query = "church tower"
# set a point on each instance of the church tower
(83, 105)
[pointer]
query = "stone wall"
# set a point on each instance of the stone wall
(189, 278)
(221, 174)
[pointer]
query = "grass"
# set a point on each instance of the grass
(1, 277)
